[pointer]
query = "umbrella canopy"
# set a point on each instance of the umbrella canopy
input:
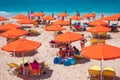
(90, 15)
(14, 33)
(76, 17)
(20, 16)
(38, 14)
(62, 14)
(26, 21)
(2, 18)
(48, 17)
(109, 18)
(54, 28)
(116, 15)
(96, 22)
(21, 45)
(101, 51)
(99, 28)
(68, 37)
(61, 22)
(9, 26)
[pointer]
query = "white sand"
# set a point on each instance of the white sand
(46, 53)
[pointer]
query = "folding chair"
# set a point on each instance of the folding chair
(14, 68)
(109, 73)
(94, 73)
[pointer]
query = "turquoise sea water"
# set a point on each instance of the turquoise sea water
(83, 6)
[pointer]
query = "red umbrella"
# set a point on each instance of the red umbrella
(14, 33)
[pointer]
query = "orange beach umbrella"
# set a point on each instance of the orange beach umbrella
(38, 14)
(26, 21)
(54, 28)
(68, 37)
(20, 16)
(62, 14)
(89, 15)
(2, 18)
(14, 33)
(48, 17)
(76, 17)
(21, 45)
(116, 15)
(99, 28)
(61, 22)
(101, 51)
(9, 26)
(109, 18)
(96, 22)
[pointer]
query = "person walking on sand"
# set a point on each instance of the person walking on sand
(83, 41)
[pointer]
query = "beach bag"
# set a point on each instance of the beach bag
(72, 61)
(60, 61)
(66, 62)
(55, 60)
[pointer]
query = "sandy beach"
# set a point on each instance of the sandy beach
(79, 71)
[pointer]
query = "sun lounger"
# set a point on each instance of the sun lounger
(94, 73)
(36, 24)
(108, 73)
(33, 32)
(95, 41)
(21, 62)
(13, 68)
(103, 35)
(77, 56)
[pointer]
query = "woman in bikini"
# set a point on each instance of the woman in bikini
(83, 41)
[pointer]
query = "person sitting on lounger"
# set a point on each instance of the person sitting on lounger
(61, 53)
(78, 27)
(76, 51)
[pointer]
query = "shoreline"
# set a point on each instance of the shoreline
(11, 14)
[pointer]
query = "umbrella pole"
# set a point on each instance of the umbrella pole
(101, 70)
(23, 64)
(14, 53)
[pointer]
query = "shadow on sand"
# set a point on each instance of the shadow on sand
(30, 53)
(82, 60)
(117, 78)
(37, 77)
